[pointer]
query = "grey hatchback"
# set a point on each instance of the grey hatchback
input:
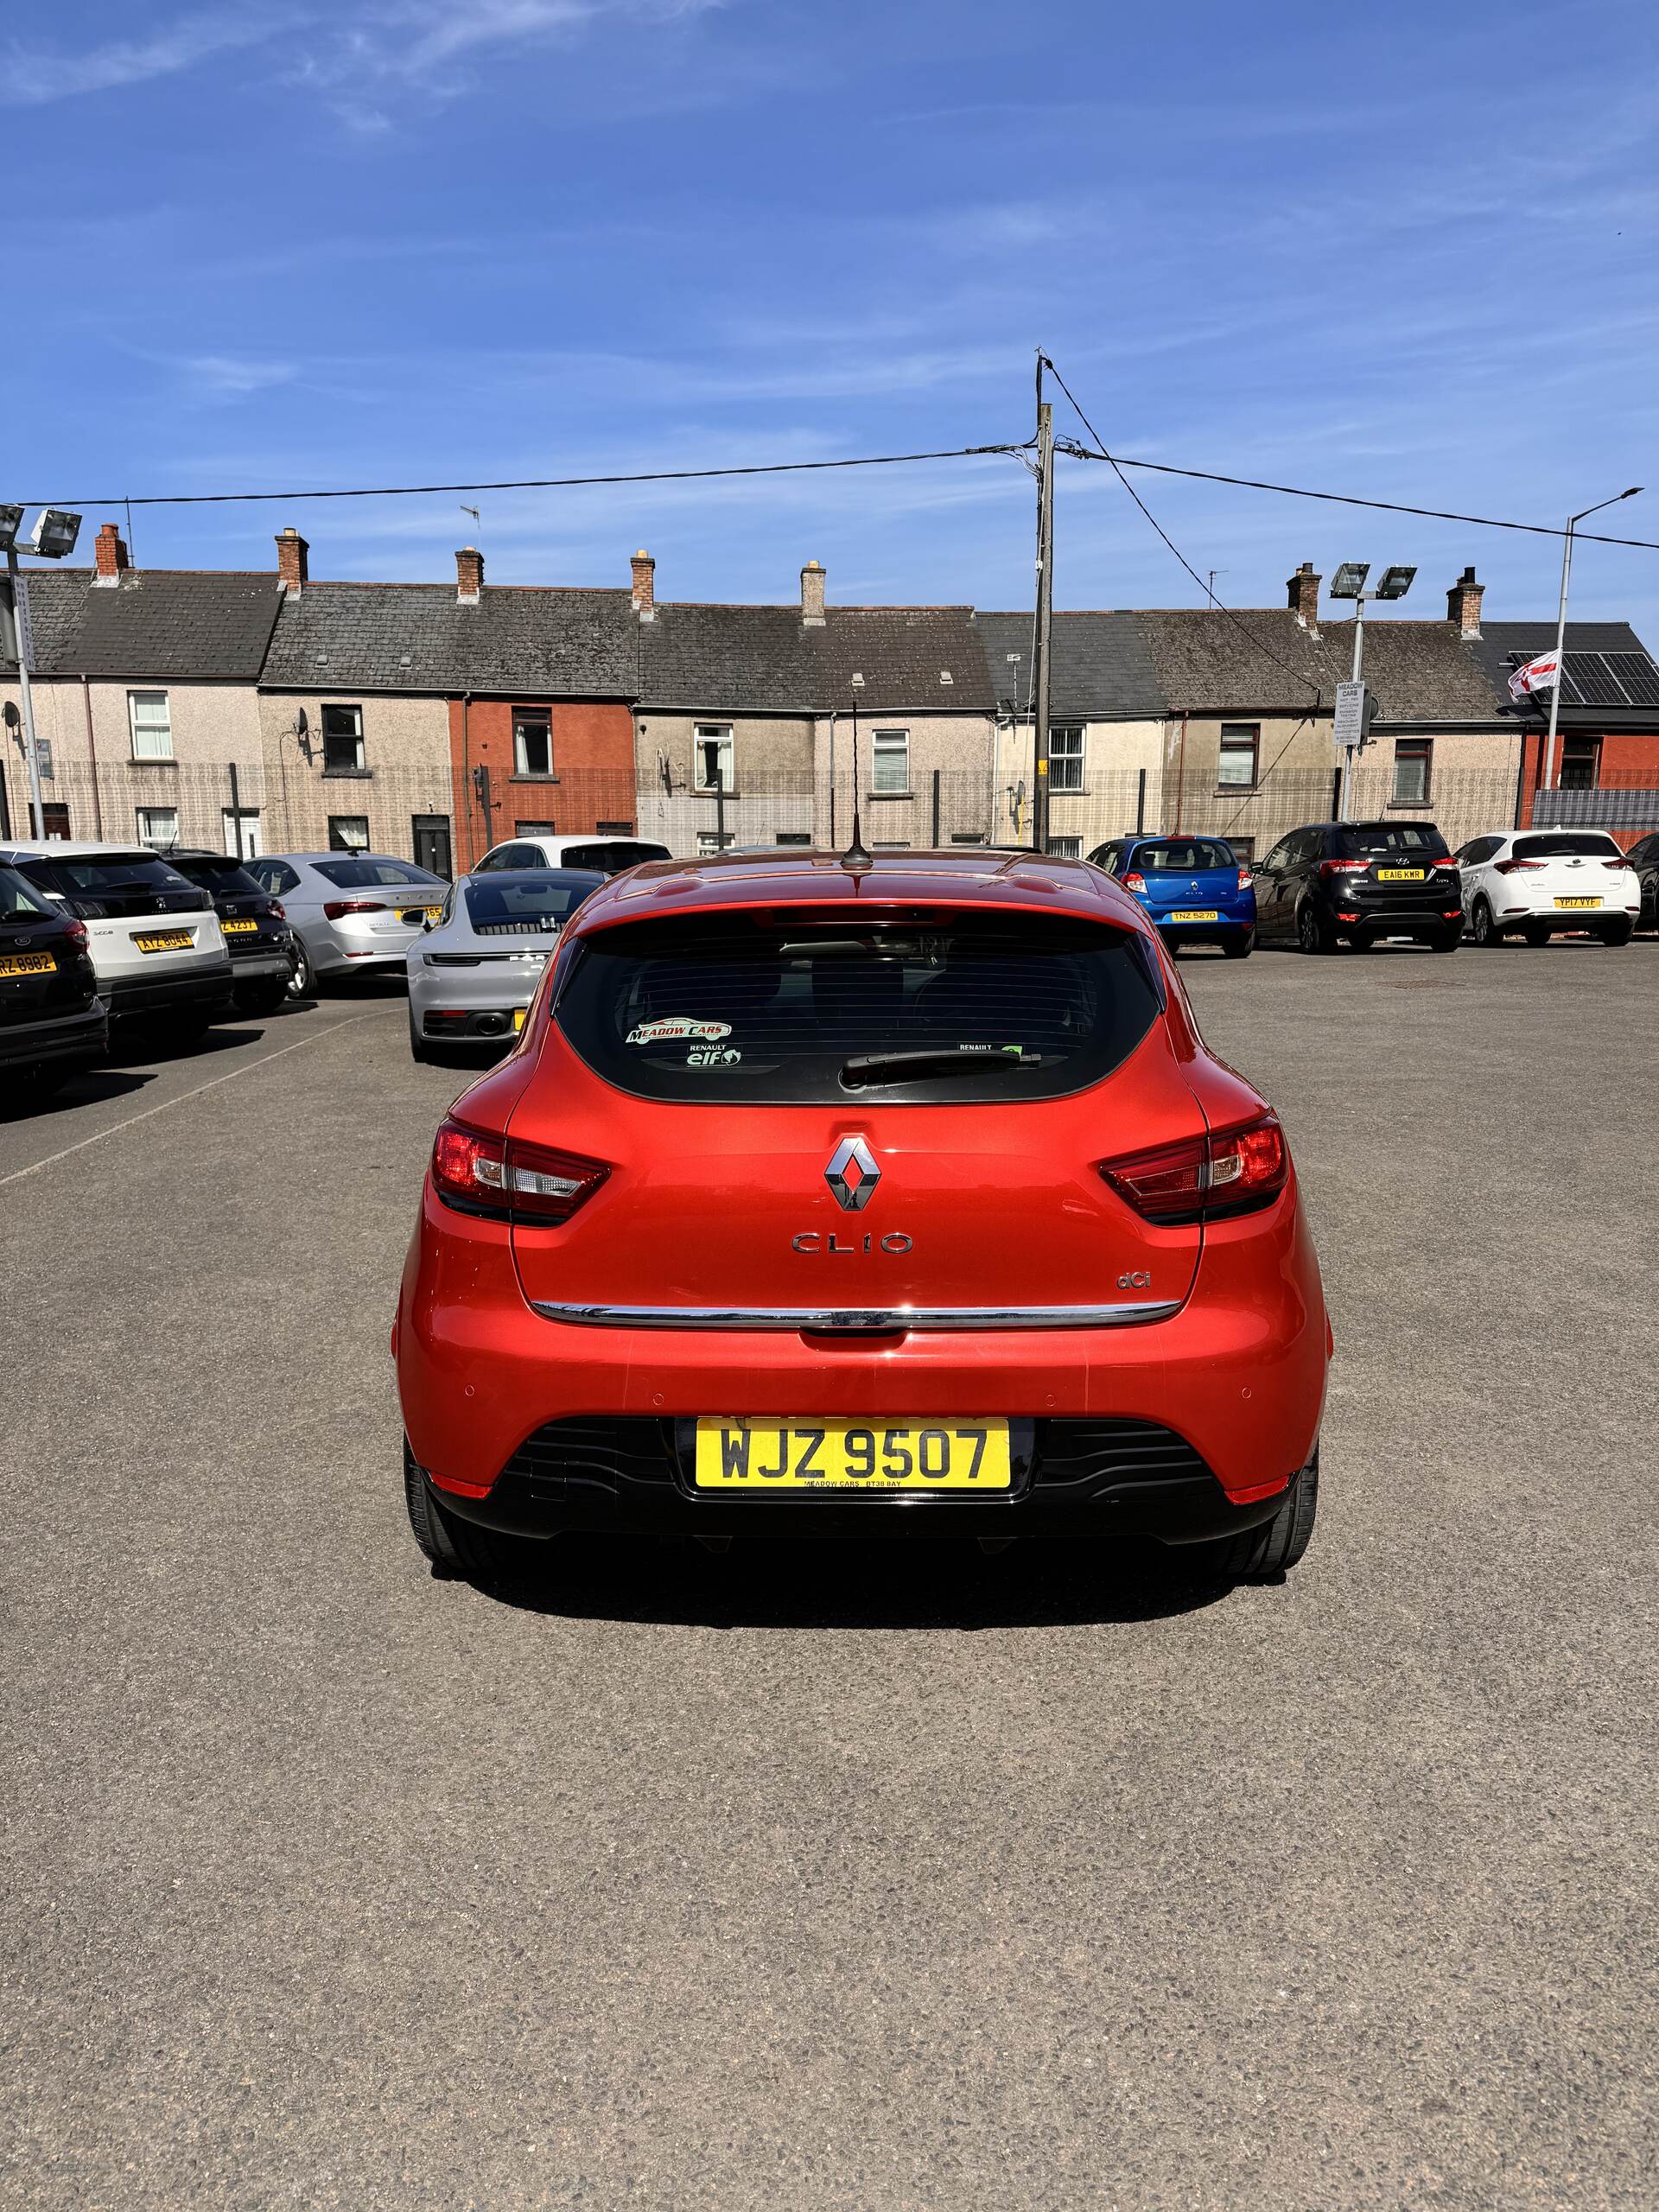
(348, 911)
(474, 973)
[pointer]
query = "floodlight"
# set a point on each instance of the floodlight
(1349, 580)
(55, 533)
(1395, 583)
(10, 522)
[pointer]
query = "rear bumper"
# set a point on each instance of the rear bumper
(197, 988)
(80, 1036)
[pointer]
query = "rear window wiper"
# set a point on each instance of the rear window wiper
(947, 1059)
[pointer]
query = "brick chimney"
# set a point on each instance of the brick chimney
(645, 586)
(812, 582)
(469, 576)
(1303, 588)
(293, 557)
(1463, 603)
(111, 555)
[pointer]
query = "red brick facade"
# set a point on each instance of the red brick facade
(591, 783)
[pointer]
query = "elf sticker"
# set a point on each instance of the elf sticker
(678, 1028)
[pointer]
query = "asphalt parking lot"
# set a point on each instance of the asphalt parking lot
(838, 1877)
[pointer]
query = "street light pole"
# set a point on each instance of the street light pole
(1345, 807)
(1573, 522)
(31, 755)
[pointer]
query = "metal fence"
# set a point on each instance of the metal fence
(447, 820)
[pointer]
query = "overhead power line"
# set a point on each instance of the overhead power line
(523, 483)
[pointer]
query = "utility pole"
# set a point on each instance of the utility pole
(1573, 522)
(1040, 685)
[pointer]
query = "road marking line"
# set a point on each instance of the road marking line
(246, 1068)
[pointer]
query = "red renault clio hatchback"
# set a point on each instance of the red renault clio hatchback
(827, 1195)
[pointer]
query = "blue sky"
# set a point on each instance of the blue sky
(1411, 253)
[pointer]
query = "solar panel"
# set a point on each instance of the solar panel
(1638, 676)
(1589, 677)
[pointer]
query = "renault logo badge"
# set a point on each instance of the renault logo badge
(852, 1174)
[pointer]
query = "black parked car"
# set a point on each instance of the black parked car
(1643, 857)
(256, 935)
(1357, 881)
(52, 1020)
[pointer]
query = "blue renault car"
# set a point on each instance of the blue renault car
(1196, 889)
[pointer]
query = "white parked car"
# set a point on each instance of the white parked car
(154, 936)
(1537, 883)
(607, 856)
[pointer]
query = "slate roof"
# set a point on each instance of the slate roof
(719, 659)
(181, 623)
(1265, 662)
(519, 641)
(1500, 642)
(1099, 668)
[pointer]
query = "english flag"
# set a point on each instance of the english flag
(1542, 674)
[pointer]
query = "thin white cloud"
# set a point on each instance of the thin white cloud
(419, 43)
(31, 77)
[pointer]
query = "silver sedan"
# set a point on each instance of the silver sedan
(474, 973)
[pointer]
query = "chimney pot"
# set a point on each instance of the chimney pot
(109, 554)
(1463, 603)
(469, 576)
(812, 582)
(293, 560)
(1304, 590)
(645, 586)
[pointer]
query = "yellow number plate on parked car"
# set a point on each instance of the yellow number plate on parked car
(1400, 874)
(26, 963)
(236, 928)
(164, 941)
(1578, 902)
(518, 1013)
(1199, 914)
(734, 1454)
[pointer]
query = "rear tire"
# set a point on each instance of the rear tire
(417, 1051)
(1266, 1554)
(261, 1001)
(302, 983)
(1239, 947)
(1617, 933)
(1484, 923)
(453, 1547)
(1447, 940)
(44, 1082)
(1313, 932)
(1536, 935)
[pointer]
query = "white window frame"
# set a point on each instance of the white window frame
(712, 842)
(1415, 752)
(1072, 755)
(242, 840)
(520, 756)
(886, 747)
(1066, 848)
(147, 836)
(358, 760)
(367, 844)
(1242, 730)
(714, 732)
(158, 743)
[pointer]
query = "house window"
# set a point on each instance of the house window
(711, 841)
(1066, 848)
(158, 827)
(1243, 851)
(712, 767)
(152, 725)
(1239, 744)
(342, 740)
(892, 760)
(54, 821)
(794, 836)
(613, 828)
(349, 833)
(1411, 758)
(1064, 760)
(532, 744)
(1581, 763)
(533, 829)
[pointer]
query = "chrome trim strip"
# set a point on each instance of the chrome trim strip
(868, 1321)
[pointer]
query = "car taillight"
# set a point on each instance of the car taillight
(335, 907)
(1233, 1171)
(1618, 863)
(1134, 881)
(524, 1182)
(1515, 867)
(1344, 867)
(1442, 860)
(275, 906)
(1245, 879)
(76, 933)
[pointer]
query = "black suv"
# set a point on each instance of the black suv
(1359, 881)
(256, 935)
(52, 1020)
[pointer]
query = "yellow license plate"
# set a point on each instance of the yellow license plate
(415, 915)
(26, 963)
(1401, 874)
(518, 1013)
(1198, 915)
(165, 941)
(755, 1456)
(238, 929)
(1578, 902)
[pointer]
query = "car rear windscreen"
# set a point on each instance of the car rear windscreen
(788, 1010)
(226, 879)
(1182, 855)
(612, 855)
(1409, 837)
(364, 875)
(103, 885)
(1563, 844)
(526, 902)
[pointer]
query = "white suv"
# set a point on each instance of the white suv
(1537, 883)
(607, 855)
(154, 936)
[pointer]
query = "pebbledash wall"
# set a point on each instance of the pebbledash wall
(406, 776)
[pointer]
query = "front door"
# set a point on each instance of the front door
(242, 833)
(432, 844)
